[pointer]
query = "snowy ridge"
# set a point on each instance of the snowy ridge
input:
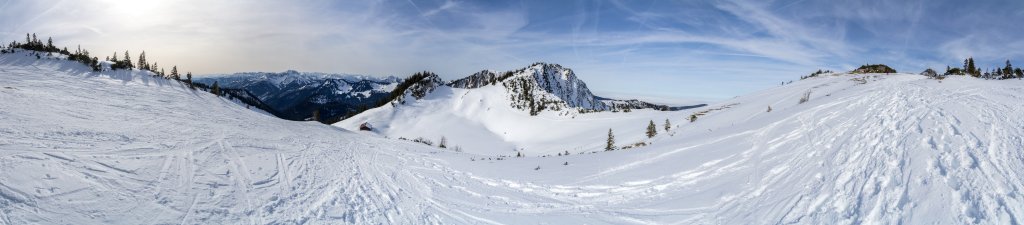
(542, 86)
(550, 87)
(479, 79)
(631, 104)
(424, 84)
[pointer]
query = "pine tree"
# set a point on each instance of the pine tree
(174, 72)
(115, 63)
(610, 145)
(974, 71)
(128, 61)
(1008, 70)
(652, 130)
(142, 61)
(189, 80)
(443, 143)
(668, 125)
(215, 89)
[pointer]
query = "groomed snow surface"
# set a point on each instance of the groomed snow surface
(79, 147)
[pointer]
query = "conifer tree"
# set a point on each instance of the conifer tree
(128, 61)
(1008, 70)
(443, 143)
(652, 130)
(215, 89)
(142, 61)
(174, 72)
(189, 76)
(115, 63)
(610, 145)
(971, 69)
(668, 125)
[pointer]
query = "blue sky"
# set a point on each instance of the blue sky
(663, 50)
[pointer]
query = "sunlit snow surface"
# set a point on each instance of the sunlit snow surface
(78, 147)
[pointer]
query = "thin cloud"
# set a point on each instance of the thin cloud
(449, 4)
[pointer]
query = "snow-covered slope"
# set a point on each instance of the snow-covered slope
(482, 121)
(85, 148)
(864, 149)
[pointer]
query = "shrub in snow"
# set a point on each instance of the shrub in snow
(806, 97)
(423, 141)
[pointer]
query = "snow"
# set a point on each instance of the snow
(125, 148)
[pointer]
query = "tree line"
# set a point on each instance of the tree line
(32, 43)
(1008, 71)
(124, 62)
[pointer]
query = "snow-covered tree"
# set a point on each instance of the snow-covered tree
(443, 143)
(668, 125)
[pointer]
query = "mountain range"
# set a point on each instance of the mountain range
(294, 95)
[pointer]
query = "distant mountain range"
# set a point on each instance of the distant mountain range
(297, 95)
